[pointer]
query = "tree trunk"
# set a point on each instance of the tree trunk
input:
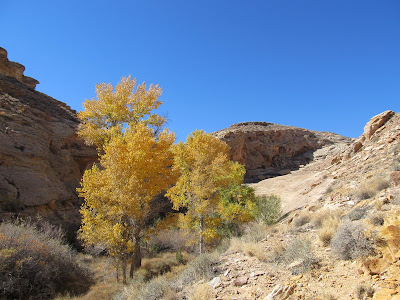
(124, 271)
(201, 236)
(136, 256)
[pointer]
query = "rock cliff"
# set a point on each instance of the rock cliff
(41, 157)
(269, 150)
(15, 70)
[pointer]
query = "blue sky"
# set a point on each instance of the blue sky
(322, 65)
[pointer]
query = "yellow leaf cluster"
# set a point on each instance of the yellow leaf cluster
(109, 114)
(134, 168)
(204, 165)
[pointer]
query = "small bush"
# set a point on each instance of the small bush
(372, 187)
(157, 288)
(249, 248)
(255, 232)
(328, 229)
(358, 213)
(167, 240)
(363, 292)
(302, 219)
(34, 265)
(377, 219)
(299, 250)
(320, 216)
(268, 209)
(350, 241)
(202, 291)
(152, 267)
(202, 267)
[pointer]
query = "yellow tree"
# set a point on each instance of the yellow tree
(108, 115)
(134, 168)
(135, 165)
(204, 167)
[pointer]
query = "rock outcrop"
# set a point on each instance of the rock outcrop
(41, 157)
(269, 150)
(15, 70)
(375, 124)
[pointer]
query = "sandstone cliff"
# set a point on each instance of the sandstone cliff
(269, 150)
(41, 157)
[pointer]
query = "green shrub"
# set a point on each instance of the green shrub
(350, 241)
(268, 209)
(34, 265)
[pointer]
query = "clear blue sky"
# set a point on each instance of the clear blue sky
(326, 65)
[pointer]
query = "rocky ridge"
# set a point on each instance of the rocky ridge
(342, 179)
(269, 150)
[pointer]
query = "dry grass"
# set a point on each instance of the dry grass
(302, 219)
(255, 232)
(202, 291)
(249, 248)
(323, 214)
(328, 229)
(152, 267)
(106, 285)
(372, 186)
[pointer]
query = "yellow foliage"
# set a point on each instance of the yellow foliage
(108, 115)
(204, 167)
(133, 169)
(135, 165)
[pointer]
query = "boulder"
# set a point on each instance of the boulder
(376, 122)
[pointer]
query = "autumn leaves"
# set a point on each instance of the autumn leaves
(138, 160)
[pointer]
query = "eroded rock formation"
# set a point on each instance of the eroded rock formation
(41, 157)
(15, 70)
(269, 150)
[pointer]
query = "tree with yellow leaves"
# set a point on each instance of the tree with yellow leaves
(135, 165)
(204, 167)
(109, 114)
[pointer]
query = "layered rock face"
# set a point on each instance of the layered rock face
(269, 150)
(41, 157)
(15, 70)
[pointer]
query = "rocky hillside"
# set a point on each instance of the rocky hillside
(340, 238)
(41, 157)
(269, 150)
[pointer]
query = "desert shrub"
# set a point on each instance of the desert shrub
(377, 219)
(34, 265)
(372, 187)
(302, 219)
(202, 291)
(328, 229)
(299, 250)
(358, 213)
(351, 241)
(320, 216)
(202, 267)
(363, 291)
(268, 209)
(255, 232)
(167, 240)
(152, 267)
(157, 288)
(249, 248)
